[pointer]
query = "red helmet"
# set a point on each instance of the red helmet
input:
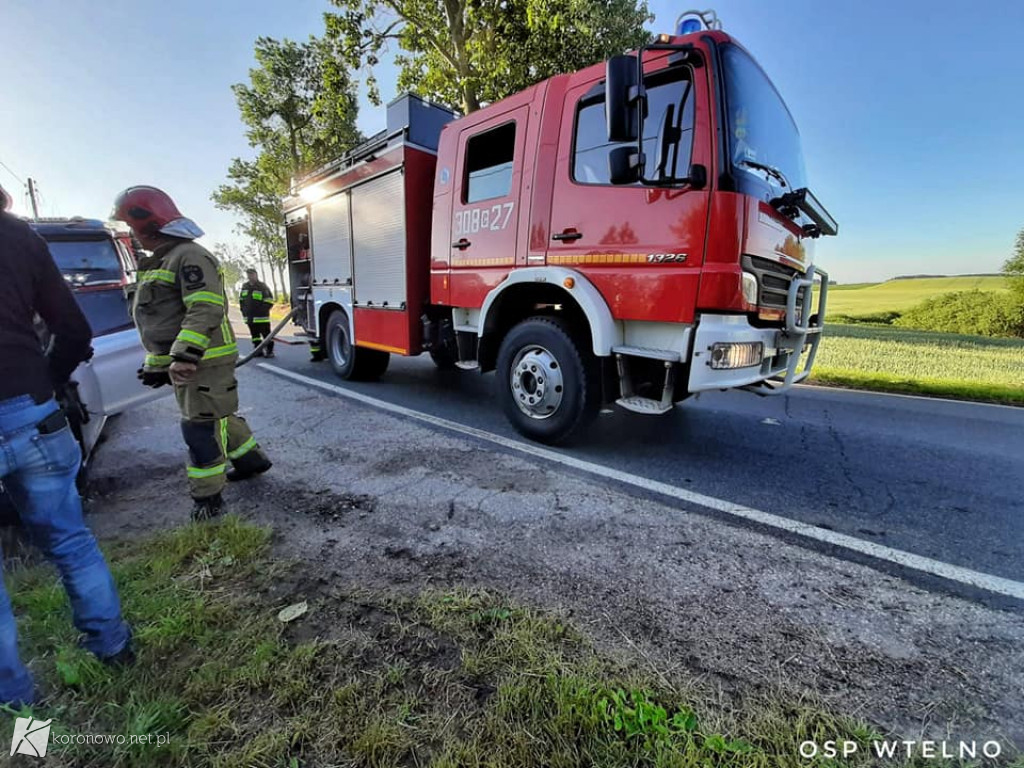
(146, 210)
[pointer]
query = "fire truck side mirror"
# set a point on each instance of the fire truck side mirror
(621, 97)
(624, 165)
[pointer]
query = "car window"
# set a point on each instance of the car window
(86, 261)
(489, 164)
(106, 310)
(665, 89)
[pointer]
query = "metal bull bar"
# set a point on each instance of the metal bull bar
(803, 328)
(273, 334)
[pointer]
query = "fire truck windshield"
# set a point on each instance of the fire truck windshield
(763, 139)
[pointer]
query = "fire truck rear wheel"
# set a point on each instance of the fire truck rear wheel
(350, 362)
(548, 381)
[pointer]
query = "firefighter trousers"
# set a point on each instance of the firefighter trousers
(214, 434)
(259, 330)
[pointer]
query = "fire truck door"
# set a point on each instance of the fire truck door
(642, 246)
(486, 204)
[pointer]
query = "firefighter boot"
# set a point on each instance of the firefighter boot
(268, 351)
(207, 508)
(248, 466)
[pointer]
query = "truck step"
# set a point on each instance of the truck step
(644, 405)
(652, 354)
(467, 365)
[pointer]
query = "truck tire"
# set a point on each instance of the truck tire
(350, 362)
(548, 383)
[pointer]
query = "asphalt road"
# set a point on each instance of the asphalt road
(939, 479)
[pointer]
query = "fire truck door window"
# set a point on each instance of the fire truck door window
(664, 90)
(489, 164)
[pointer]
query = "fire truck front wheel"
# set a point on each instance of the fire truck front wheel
(548, 381)
(350, 362)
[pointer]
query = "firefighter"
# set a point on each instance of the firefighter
(182, 316)
(255, 300)
(316, 352)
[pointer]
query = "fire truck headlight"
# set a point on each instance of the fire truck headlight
(740, 354)
(750, 289)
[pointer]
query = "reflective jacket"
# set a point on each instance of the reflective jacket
(180, 308)
(255, 301)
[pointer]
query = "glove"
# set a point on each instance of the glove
(154, 379)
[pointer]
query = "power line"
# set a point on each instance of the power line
(7, 168)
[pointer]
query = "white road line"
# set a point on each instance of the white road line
(987, 582)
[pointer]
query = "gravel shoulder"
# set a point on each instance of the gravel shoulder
(371, 500)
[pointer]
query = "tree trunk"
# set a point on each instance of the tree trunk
(268, 270)
(283, 295)
(457, 26)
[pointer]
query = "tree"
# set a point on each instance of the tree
(1014, 269)
(470, 52)
(300, 110)
(233, 263)
(299, 107)
(255, 195)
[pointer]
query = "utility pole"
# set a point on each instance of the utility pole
(33, 193)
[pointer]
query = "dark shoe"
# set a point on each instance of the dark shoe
(247, 469)
(123, 658)
(269, 354)
(208, 508)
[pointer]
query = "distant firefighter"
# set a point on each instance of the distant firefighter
(255, 300)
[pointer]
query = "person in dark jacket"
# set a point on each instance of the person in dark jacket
(40, 458)
(255, 300)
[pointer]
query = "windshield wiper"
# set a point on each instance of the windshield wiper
(771, 170)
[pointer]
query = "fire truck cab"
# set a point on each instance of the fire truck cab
(633, 233)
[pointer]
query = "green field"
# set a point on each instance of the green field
(920, 362)
(898, 295)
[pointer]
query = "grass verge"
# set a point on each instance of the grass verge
(953, 390)
(439, 679)
(888, 359)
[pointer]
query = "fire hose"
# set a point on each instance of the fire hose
(273, 334)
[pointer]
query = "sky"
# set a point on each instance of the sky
(910, 112)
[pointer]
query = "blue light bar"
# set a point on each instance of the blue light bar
(694, 21)
(689, 26)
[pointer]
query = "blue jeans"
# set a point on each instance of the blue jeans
(38, 471)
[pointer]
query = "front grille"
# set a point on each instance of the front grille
(773, 280)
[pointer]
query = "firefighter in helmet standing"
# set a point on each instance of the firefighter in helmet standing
(255, 301)
(182, 316)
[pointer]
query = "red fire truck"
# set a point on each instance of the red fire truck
(633, 233)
